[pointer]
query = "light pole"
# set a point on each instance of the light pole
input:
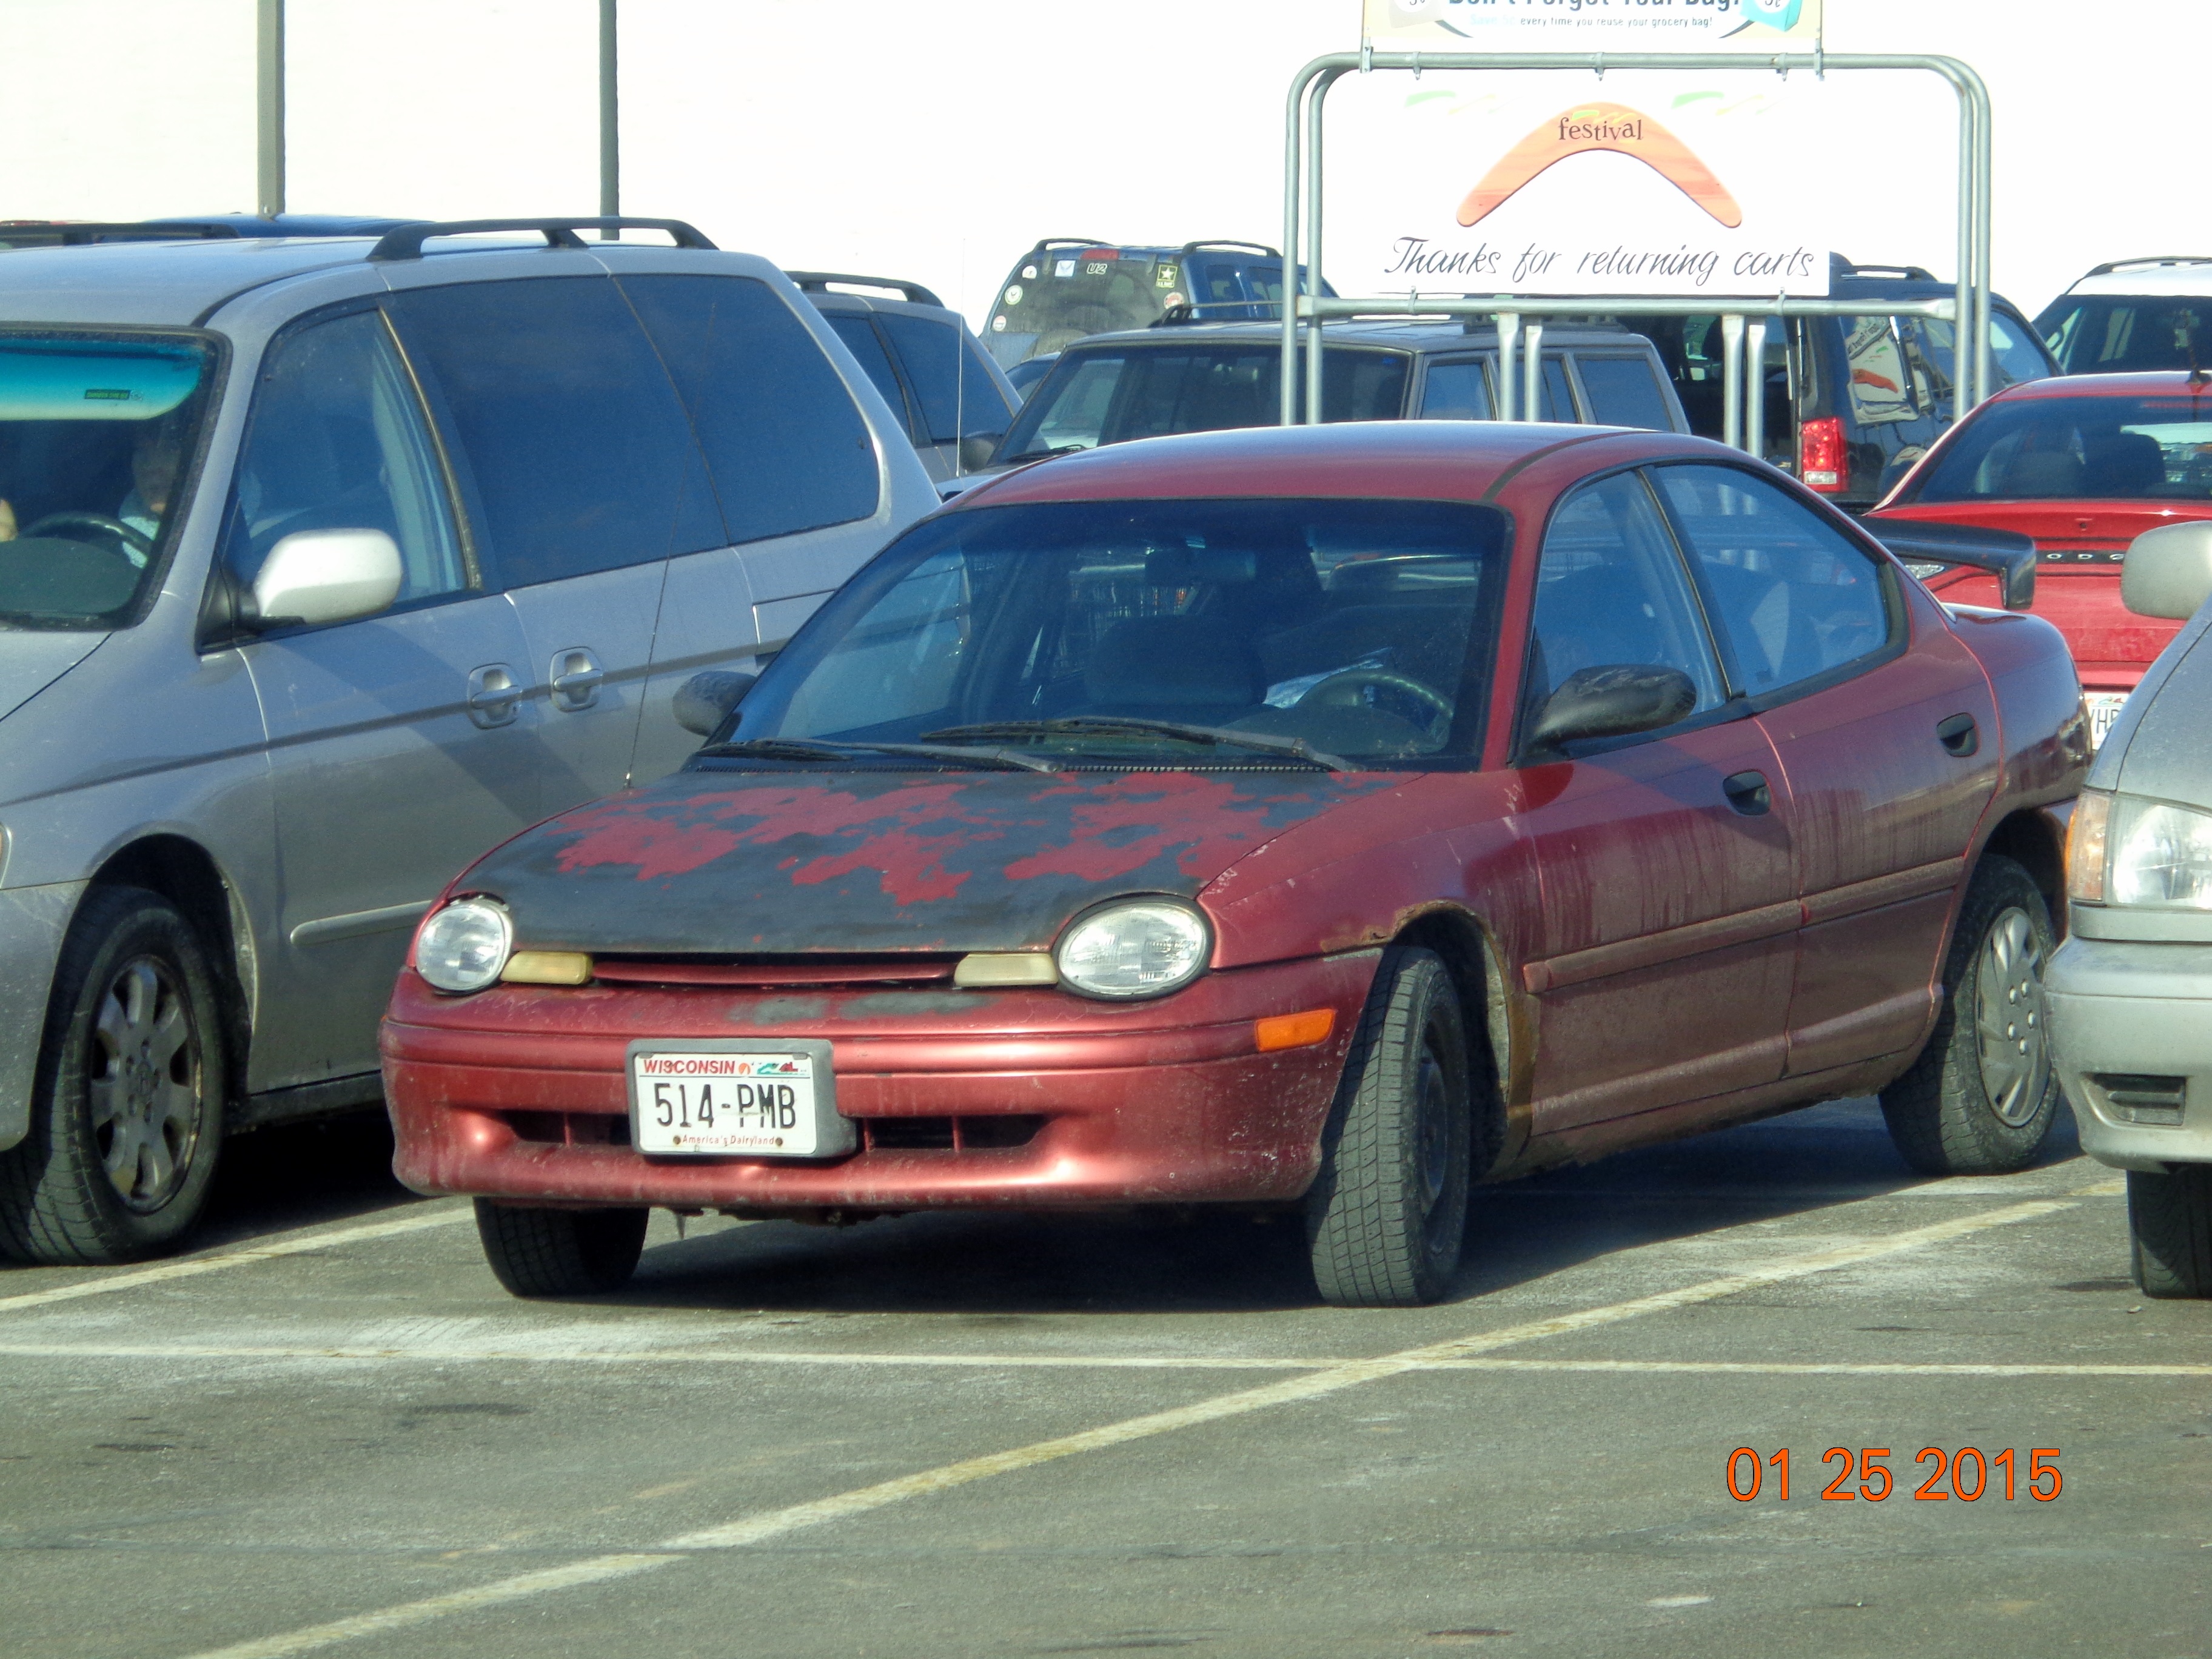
(609, 122)
(268, 99)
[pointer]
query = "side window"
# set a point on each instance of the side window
(337, 443)
(1456, 391)
(1611, 590)
(1624, 392)
(579, 453)
(958, 398)
(1558, 396)
(860, 338)
(1791, 597)
(1881, 389)
(783, 437)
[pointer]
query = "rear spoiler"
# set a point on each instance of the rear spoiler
(2005, 554)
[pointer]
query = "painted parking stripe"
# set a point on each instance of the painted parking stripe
(777, 1524)
(415, 1221)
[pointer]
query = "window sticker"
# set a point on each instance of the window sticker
(1063, 267)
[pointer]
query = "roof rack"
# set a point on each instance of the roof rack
(1044, 242)
(817, 281)
(2152, 259)
(82, 235)
(1912, 273)
(1249, 247)
(406, 242)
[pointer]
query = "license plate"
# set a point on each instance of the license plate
(735, 1097)
(2104, 709)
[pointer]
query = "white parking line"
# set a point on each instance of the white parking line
(283, 1244)
(776, 1523)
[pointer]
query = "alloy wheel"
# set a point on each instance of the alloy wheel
(144, 1083)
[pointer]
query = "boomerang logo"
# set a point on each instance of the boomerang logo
(1614, 127)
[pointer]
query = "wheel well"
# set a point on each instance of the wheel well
(182, 871)
(2029, 840)
(1458, 938)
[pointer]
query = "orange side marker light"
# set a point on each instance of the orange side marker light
(1294, 1031)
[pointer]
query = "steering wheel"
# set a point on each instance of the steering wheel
(133, 541)
(1354, 686)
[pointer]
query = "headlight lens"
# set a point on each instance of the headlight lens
(2162, 855)
(465, 946)
(1138, 948)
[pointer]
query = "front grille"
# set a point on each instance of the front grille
(948, 1134)
(776, 973)
(570, 1128)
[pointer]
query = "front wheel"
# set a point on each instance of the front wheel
(1388, 1211)
(126, 1116)
(561, 1252)
(2170, 1230)
(1981, 1097)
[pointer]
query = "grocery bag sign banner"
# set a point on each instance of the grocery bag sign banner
(1667, 187)
(1759, 26)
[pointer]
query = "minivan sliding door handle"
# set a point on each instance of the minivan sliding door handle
(575, 676)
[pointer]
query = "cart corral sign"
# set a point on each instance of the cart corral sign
(1755, 25)
(1649, 182)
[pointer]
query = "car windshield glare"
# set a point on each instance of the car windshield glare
(1338, 632)
(2123, 449)
(96, 435)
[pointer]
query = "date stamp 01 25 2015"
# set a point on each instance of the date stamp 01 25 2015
(1966, 1474)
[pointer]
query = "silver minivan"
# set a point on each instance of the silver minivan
(324, 566)
(2130, 991)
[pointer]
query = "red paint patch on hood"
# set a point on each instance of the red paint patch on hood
(1126, 824)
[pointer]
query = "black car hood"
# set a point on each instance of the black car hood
(777, 862)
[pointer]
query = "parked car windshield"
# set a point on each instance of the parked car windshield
(1107, 396)
(2123, 334)
(96, 435)
(1088, 633)
(2078, 448)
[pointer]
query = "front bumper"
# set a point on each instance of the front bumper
(2140, 1011)
(518, 1093)
(33, 921)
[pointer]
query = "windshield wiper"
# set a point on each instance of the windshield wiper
(1216, 736)
(1047, 454)
(823, 748)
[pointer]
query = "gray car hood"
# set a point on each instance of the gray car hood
(31, 659)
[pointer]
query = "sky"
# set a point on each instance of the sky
(937, 140)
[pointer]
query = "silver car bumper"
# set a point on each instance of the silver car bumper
(32, 921)
(2131, 1032)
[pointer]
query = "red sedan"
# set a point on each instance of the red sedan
(2083, 465)
(1321, 818)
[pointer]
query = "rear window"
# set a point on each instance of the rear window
(1059, 295)
(2125, 335)
(2078, 448)
(1104, 396)
(1623, 390)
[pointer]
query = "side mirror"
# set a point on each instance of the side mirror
(1612, 701)
(2168, 571)
(977, 448)
(704, 701)
(2006, 555)
(316, 576)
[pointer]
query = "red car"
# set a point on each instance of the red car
(1318, 818)
(2083, 464)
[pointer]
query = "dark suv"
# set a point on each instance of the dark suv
(1068, 286)
(955, 402)
(1850, 402)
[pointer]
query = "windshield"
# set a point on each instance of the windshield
(2127, 335)
(2079, 448)
(1059, 295)
(95, 434)
(1084, 633)
(1108, 397)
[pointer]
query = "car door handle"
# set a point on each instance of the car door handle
(494, 695)
(575, 676)
(1748, 791)
(1959, 735)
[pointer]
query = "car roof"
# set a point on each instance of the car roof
(1420, 460)
(2146, 383)
(1445, 335)
(2164, 276)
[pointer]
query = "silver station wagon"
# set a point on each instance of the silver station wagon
(326, 565)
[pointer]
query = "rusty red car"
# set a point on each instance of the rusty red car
(1319, 820)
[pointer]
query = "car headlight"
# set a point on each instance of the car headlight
(1134, 948)
(465, 946)
(2145, 852)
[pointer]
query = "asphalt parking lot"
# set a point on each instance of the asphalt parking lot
(327, 1429)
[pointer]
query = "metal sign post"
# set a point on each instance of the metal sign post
(269, 108)
(1968, 310)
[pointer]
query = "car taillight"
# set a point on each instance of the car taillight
(1820, 463)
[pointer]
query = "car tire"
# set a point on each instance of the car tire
(1981, 1097)
(127, 1105)
(1386, 1216)
(2170, 1230)
(561, 1252)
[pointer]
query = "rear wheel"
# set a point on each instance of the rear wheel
(2170, 1230)
(561, 1252)
(126, 1114)
(1387, 1213)
(1981, 1097)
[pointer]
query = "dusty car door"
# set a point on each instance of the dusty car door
(399, 745)
(1663, 969)
(1887, 731)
